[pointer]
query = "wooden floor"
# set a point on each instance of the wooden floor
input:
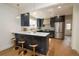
(59, 47)
(56, 48)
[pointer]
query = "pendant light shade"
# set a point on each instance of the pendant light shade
(18, 7)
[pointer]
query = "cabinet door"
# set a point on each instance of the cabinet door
(40, 22)
(25, 20)
(59, 18)
(52, 22)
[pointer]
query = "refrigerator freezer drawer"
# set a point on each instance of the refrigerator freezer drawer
(58, 35)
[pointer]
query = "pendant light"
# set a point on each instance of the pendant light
(18, 7)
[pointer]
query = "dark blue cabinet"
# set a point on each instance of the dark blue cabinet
(56, 19)
(52, 21)
(42, 42)
(59, 18)
(25, 19)
(39, 22)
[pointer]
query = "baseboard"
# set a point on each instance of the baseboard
(77, 50)
(6, 49)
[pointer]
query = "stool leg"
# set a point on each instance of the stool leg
(14, 45)
(22, 50)
(34, 51)
(22, 45)
(19, 51)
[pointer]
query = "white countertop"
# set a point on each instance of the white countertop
(33, 33)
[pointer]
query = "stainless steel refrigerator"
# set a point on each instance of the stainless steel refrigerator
(59, 30)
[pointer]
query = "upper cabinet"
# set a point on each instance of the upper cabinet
(52, 21)
(25, 19)
(56, 19)
(39, 22)
(59, 18)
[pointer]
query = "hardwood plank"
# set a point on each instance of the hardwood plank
(57, 47)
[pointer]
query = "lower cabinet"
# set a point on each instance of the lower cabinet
(42, 42)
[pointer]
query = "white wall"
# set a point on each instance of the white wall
(8, 23)
(68, 20)
(75, 28)
(47, 24)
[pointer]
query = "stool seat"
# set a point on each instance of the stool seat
(35, 45)
(21, 50)
(13, 38)
(21, 41)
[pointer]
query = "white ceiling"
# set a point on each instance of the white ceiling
(27, 7)
(66, 9)
(45, 10)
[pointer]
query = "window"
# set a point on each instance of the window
(33, 23)
(68, 26)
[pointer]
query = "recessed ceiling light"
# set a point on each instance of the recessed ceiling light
(59, 6)
(34, 13)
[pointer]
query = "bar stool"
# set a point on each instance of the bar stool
(33, 44)
(14, 43)
(21, 50)
(33, 47)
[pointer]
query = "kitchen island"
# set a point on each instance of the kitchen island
(39, 38)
